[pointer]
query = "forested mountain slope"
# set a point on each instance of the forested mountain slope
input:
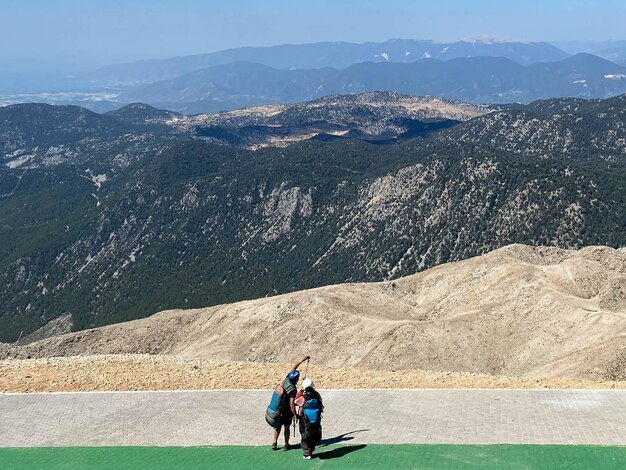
(124, 225)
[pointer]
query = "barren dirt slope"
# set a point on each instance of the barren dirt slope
(518, 311)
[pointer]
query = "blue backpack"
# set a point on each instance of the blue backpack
(311, 412)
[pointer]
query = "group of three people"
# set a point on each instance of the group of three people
(305, 406)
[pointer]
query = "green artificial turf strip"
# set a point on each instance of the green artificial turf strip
(362, 456)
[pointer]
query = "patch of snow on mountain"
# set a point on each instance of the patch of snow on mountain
(426, 55)
(615, 76)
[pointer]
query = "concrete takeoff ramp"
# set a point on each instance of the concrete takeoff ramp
(486, 429)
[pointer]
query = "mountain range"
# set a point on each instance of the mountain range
(114, 217)
(479, 71)
(476, 80)
(323, 55)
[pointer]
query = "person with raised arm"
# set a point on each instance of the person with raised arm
(282, 408)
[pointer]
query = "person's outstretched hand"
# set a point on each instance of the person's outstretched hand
(302, 359)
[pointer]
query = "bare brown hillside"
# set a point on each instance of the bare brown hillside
(518, 311)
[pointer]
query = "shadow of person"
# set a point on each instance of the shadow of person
(340, 438)
(339, 452)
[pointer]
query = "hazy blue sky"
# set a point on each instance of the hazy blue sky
(75, 34)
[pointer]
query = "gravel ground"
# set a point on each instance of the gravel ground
(149, 372)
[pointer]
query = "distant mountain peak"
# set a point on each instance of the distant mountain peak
(586, 58)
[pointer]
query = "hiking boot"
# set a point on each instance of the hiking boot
(274, 446)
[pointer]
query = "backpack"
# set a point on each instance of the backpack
(280, 398)
(311, 412)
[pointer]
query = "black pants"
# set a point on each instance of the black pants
(310, 438)
(308, 447)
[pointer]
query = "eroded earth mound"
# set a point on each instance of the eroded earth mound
(518, 311)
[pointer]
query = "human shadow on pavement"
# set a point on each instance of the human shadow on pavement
(339, 452)
(341, 438)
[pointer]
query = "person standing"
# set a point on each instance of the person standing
(311, 407)
(282, 407)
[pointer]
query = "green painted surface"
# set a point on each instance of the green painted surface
(362, 456)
